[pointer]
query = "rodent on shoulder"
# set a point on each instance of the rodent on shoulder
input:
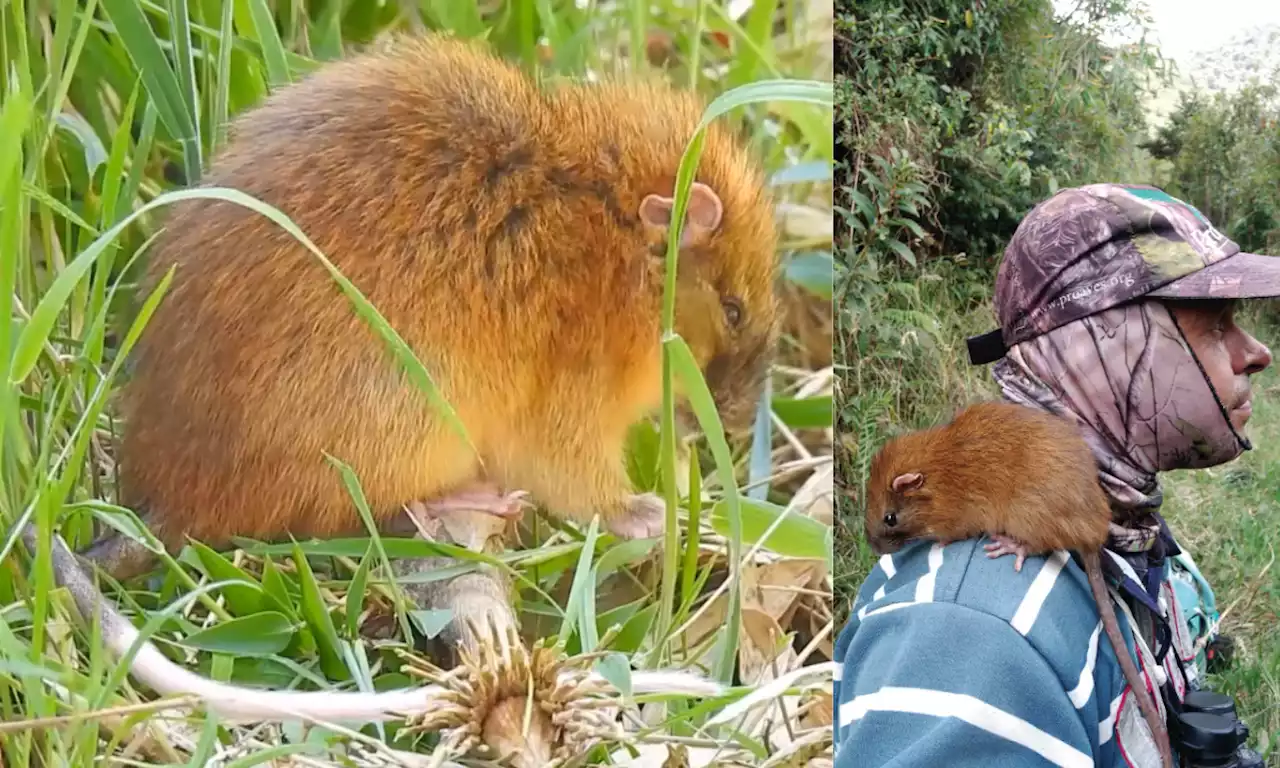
(997, 468)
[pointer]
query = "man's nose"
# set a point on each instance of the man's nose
(1254, 356)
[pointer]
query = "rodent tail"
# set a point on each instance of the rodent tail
(231, 702)
(237, 704)
(1093, 569)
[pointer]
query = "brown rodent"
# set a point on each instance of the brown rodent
(513, 234)
(1024, 477)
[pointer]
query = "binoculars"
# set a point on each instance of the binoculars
(1208, 734)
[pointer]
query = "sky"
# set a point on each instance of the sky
(1183, 27)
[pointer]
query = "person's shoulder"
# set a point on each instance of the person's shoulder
(1048, 602)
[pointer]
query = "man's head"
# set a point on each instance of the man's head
(1116, 306)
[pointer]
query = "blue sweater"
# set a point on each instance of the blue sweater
(954, 659)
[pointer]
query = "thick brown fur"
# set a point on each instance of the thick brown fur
(494, 223)
(1003, 469)
(975, 481)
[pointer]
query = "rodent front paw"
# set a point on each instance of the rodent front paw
(644, 517)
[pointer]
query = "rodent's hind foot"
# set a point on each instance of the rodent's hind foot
(644, 517)
(1001, 545)
(118, 555)
(479, 497)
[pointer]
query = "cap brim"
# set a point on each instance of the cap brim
(1242, 276)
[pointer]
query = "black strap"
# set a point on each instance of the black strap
(987, 348)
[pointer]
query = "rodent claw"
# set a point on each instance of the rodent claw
(1001, 545)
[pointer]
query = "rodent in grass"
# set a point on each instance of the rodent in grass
(513, 234)
(1024, 477)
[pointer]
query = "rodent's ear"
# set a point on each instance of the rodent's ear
(908, 481)
(702, 215)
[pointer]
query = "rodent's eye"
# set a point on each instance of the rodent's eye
(890, 519)
(732, 311)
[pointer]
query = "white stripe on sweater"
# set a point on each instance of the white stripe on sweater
(1029, 609)
(1083, 691)
(975, 712)
(1107, 728)
(927, 582)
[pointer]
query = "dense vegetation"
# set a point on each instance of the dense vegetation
(111, 105)
(953, 119)
(1222, 153)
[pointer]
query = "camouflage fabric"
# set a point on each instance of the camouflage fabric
(1090, 248)
(1130, 380)
(1081, 344)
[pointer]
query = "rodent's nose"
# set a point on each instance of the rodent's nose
(876, 544)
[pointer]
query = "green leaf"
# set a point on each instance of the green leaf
(95, 154)
(316, 614)
(805, 91)
(180, 32)
(678, 360)
(863, 204)
(631, 637)
(902, 250)
(431, 623)
(805, 413)
(241, 598)
(219, 110)
(274, 585)
(624, 553)
(262, 634)
(686, 368)
(642, 451)
(463, 19)
(355, 592)
(814, 271)
(797, 535)
(615, 668)
(910, 224)
(356, 491)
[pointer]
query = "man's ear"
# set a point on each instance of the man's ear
(702, 215)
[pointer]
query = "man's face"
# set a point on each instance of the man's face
(1227, 352)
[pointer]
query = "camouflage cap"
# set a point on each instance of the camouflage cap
(1090, 248)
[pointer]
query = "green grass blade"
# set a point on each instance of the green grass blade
(222, 88)
(273, 53)
(356, 491)
(580, 611)
(805, 413)
(677, 358)
(318, 619)
(686, 367)
(180, 31)
(144, 49)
